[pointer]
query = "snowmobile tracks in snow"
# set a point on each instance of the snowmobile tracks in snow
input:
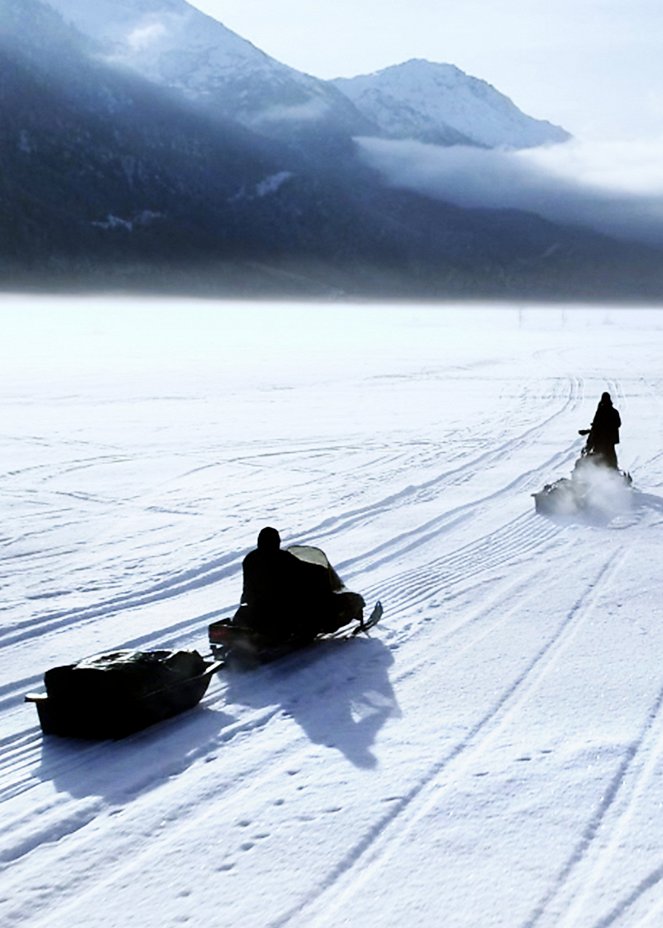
(604, 832)
(430, 489)
(18, 750)
(449, 573)
(386, 835)
(56, 621)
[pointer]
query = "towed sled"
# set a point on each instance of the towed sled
(592, 486)
(113, 695)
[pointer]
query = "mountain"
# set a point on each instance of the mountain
(179, 48)
(441, 104)
(107, 177)
(111, 181)
(99, 162)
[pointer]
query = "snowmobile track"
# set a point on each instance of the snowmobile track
(383, 840)
(601, 838)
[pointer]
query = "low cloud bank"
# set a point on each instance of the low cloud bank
(615, 188)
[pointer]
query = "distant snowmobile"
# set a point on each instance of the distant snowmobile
(593, 486)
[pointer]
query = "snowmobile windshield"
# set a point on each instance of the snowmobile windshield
(317, 556)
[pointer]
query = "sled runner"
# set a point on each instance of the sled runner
(113, 695)
(237, 643)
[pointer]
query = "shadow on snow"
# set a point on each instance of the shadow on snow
(339, 692)
(121, 770)
(340, 695)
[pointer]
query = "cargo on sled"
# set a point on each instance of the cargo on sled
(112, 695)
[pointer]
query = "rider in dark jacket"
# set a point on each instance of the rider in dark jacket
(604, 433)
(270, 585)
(286, 594)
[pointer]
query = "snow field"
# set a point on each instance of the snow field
(491, 755)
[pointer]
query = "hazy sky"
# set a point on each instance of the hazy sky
(593, 66)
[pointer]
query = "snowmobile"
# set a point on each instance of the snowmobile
(337, 614)
(592, 486)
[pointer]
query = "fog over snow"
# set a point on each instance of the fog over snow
(592, 68)
(613, 187)
(491, 756)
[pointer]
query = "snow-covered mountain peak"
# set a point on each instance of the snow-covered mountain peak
(438, 102)
(167, 40)
(421, 66)
(175, 45)
(178, 47)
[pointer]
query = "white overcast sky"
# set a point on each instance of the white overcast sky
(593, 66)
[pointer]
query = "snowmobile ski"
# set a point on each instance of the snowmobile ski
(367, 624)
